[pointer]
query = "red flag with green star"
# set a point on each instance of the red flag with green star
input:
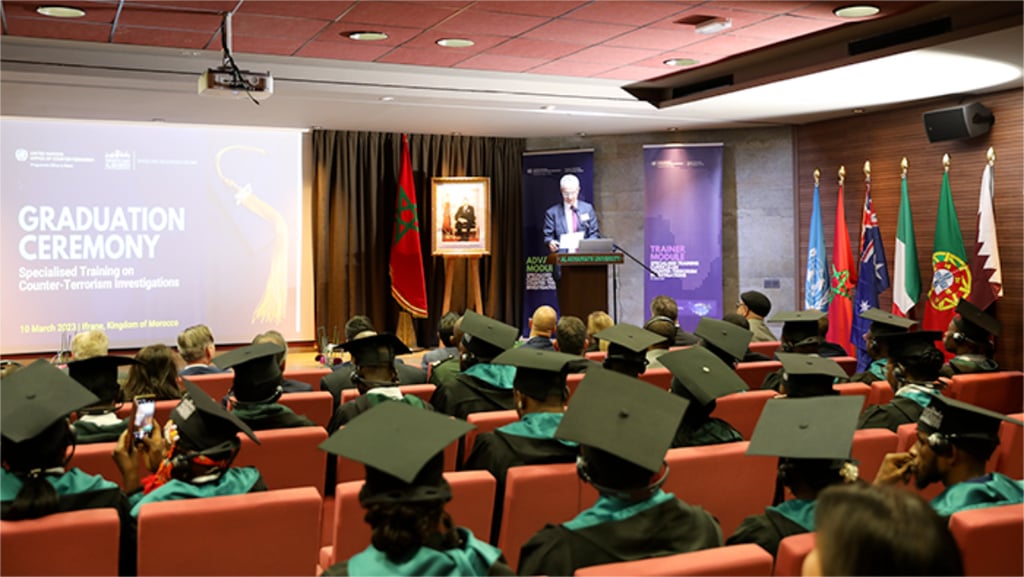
(408, 284)
(844, 278)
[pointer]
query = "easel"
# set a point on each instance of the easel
(473, 296)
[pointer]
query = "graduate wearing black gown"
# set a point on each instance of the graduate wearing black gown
(812, 438)
(624, 427)
(882, 325)
(914, 372)
(481, 385)
(800, 336)
(99, 423)
(969, 337)
(257, 385)
(404, 496)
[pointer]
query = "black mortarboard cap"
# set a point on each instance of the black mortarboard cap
(976, 323)
(99, 374)
(486, 337)
(539, 373)
(800, 327)
(702, 373)
(955, 418)
(757, 302)
(724, 336)
(809, 375)
(203, 423)
(910, 345)
(36, 397)
(626, 417)
(375, 350)
(257, 372)
(815, 428)
(402, 447)
(629, 338)
(884, 323)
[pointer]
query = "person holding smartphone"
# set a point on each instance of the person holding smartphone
(36, 402)
(193, 460)
(99, 423)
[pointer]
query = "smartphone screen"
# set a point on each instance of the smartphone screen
(145, 409)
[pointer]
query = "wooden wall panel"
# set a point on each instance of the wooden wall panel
(884, 138)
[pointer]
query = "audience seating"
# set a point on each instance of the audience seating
(753, 373)
(906, 437)
(486, 422)
(854, 389)
(881, 393)
(82, 542)
(572, 382)
(848, 363)
(1010, 453)
(744, 559)
(742, 410)
(472, 506)
(990, 539)
(1001, 391)
(309, 376)
(265, 533)
(723, 479)
(97, 459)
(216, 385)
(317, 406)
(287, 458)
(659, 377)
(161, 410)
(766, 348)
(870, 446)
(423, 391)
(597, 356)
(792, 551)
(536, 495)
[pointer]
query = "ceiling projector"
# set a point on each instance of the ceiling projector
(230, 83)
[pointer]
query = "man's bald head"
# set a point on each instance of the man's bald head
(543, 321)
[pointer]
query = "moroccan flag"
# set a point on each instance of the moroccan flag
(987, 285)
(407, 279)
(906, 287)
(840, 310)
(873, 278)
(815, 283)
(951, 277)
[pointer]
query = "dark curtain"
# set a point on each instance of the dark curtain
(355, 181)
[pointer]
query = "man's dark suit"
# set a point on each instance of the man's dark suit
(555, 225)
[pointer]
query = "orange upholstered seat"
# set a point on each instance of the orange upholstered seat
(792, 551)
(1002, 391)
(265, 533)
(1010, 454)
(534, 496)
(854, 389)
(309, 376)
(849, 364)
(742, 410)
(317, 406)
(216, 385)
(881, 393)
(753, 373)
(745, 559)
(990, 539)
(82, 542)
(97, 459)
(423, 390)
(870, 446)
(287, 458)
(659, 377)
(766, 348)
(486, 422)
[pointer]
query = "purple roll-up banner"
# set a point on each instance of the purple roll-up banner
(542, 172)
(683, 228)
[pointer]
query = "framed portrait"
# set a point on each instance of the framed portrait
(462, 216)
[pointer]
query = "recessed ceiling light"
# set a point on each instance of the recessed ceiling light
(367, 35)
(858, 111)
(712, 26)
(455, 42)
(386, 98)
(548, 107)
(680, 62)
(60, 11)
(856, 11)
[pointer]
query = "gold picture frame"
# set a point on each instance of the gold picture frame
(461, 216)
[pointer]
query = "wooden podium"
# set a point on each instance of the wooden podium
(583, 287)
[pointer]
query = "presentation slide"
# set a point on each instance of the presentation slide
(144, 229)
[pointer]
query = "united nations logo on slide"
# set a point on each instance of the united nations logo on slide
(21, 155)
(950, 282)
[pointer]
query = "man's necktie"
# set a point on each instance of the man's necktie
(575, 221)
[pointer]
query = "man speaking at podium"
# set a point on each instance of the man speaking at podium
(570, 216)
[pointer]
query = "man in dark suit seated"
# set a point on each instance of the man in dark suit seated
(570, 215)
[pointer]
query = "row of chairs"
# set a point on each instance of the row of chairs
(205, 537)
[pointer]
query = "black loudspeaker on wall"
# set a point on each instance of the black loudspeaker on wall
(964, 121)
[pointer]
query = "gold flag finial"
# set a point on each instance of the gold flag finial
(867, 169)
(817, 176)
(991, 155)
(904, 165)
(842, 173)
(945, 162)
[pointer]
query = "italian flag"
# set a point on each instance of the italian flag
(906, 286)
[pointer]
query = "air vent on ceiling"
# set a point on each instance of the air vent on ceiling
(901, 36)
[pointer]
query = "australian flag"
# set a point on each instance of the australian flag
(873, 279)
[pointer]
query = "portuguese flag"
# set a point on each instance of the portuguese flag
(406, 267)
(951, 275)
